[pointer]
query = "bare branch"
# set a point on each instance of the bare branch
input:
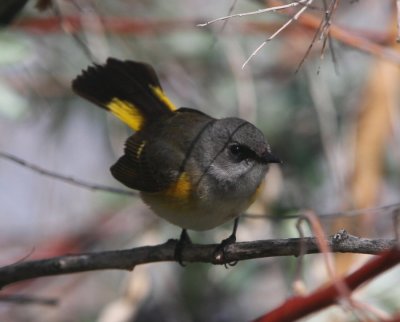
(398, 20)
(69, 30)
(128, 259)
(64, 178)
(26, 299)
(284, 26)
(299, 306)
(256, 12)
(316, 227)
(390, 208)
(230, 12)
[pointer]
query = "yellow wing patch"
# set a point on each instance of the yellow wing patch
(127, 113)
(140, 149)
(180, 189)
(162, 97)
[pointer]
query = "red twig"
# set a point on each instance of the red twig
(300, 306)
(323, 246)
(118, 25)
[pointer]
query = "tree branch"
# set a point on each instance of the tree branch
(67, 179)
(299, 306)
(128, 259)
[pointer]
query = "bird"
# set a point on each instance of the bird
(193, 170)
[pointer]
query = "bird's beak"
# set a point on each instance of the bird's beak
(268, 157)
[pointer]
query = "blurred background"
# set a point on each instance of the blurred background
(334, 123)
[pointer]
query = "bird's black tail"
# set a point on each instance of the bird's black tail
(128, 89)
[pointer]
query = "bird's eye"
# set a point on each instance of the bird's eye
(239, 152)
(235, 149)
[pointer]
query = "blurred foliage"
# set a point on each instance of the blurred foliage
(42, 121)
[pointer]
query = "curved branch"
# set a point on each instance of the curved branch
(128, 259)
(297, 307)
(67, 179)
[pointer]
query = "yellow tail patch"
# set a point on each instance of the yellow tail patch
(127, 113)
(162, 97)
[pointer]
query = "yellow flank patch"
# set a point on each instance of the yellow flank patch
(140, 149)
(162, 97)
(127, 113)
(180, 189)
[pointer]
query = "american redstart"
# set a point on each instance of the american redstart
(195, 171)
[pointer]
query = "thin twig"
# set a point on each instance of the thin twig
(327, 21)
(331, 215)
(398, 20)
(396, 220)
(67, 179)
(333, 54)
(223, 25)
(285, 25)
(243, 14)
(328, 128)
(344, 292)
(325, 31)
(362, 308)
(298, 284)
(123, 26)
(92, 186)
(27, 299)
(314, 39)
(297, 307)
(128, 259)
(69, 30)
(229, 12)
(326, 253)
(244, 82)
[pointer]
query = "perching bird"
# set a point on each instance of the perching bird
(195, 171)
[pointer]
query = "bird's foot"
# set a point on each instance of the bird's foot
(183, 241)
(220, 251)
